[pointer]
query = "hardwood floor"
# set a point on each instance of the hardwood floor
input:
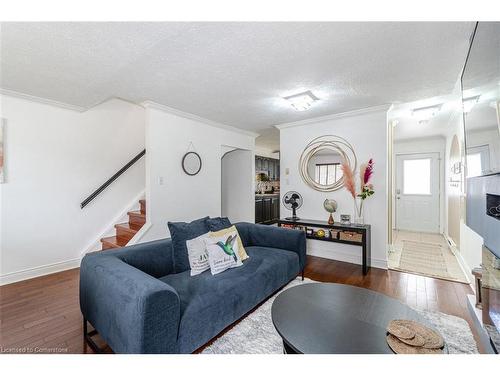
(43, 314)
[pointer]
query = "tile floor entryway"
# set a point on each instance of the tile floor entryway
(425, 254)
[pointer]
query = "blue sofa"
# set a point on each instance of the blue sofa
(135, 301)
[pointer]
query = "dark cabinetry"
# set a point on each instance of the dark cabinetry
(268, 166)
(275, 208)
(259, 213)
(267, 209)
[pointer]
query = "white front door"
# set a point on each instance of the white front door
(417, 192)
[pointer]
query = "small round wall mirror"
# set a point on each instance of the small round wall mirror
(321, 160)
(191, 163)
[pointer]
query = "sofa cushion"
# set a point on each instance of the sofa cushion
(223, 253)
(210, 303)
(232, 230)
(180, 232)
(217, 223)
(197, 254)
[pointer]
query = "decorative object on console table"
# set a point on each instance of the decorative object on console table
(334, 233)
(350, 236)
(292, 201)
(366, 189)
(320, 233)
(345, 219)
(330, 206)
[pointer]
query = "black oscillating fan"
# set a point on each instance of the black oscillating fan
(292, 201)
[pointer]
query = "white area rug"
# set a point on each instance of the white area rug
(256, 334)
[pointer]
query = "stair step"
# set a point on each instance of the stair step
(127, 230)
(136, 217)
(113, 242)
(142, 202)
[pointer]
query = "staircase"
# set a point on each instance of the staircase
(125, 231)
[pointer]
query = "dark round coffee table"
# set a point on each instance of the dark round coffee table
(325, 318)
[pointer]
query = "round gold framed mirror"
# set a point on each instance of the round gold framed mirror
(321, 160)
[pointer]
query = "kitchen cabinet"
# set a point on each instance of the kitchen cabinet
(270, 167)
(259, 217)
(275, 205)
(267, 209)
(265, 165)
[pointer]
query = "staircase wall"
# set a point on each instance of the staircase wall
(54, 159)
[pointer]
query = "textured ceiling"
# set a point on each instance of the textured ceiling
(234, 73)
(269, 139)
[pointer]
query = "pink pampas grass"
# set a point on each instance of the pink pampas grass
(349, 179)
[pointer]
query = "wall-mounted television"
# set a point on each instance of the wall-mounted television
(481, 101)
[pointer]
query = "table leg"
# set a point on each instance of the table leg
(287, 349)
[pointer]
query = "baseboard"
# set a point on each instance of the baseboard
(349, 257)
(463, 265)
(31, 273)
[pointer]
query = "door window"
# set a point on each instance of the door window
(417, 176)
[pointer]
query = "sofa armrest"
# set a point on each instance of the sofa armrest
(153, 257)
(132, 311)
(270, 236)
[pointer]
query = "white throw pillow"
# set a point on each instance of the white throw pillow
(223, 252)
(197, 254)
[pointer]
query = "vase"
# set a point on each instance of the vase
(358, 211)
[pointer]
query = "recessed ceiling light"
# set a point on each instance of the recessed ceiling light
(423, 114)
(302, 101)
(468, 103)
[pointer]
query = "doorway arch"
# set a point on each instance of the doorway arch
(454, 185)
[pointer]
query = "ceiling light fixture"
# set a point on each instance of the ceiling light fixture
(424, 114)
(470, 102)
(302, 101)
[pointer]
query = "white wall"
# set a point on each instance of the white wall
(55, 158)
(182, 197)
(419, 146)
(238, 185)
(368, 134)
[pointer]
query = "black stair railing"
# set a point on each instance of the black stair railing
(111, 179)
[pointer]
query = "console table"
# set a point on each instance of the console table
(363, 229)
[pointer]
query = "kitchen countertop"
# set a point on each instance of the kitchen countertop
(267, 195)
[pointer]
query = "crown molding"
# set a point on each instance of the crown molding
(335, 116)
(190, 116)
(55, 103)
(37, 99)
(118, 98)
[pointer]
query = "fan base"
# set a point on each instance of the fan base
(294, 218)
